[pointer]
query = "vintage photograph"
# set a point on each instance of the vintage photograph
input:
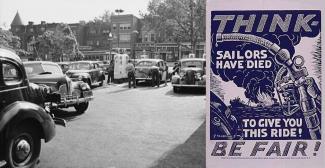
(102, 84)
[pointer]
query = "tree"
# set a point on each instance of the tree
(9, 41)
(179, 20)
(58, 44)
(105, 17)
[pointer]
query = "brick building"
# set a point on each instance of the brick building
(128, 35)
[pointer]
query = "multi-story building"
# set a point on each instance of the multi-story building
(125, 31)
(167, 50)
(128, 35)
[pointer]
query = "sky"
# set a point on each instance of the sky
(66, 11)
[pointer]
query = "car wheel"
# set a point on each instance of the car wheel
(23, 147)
(81, 108)
(176, 89)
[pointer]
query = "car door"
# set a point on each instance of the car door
(13, 83)
(97, 71)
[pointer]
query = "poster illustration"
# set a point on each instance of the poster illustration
(265, 96)
(256, 50)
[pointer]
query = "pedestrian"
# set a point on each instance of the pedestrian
(165, 74)
(155, 77)
(176, 68)
(131, 71)
(110, 71)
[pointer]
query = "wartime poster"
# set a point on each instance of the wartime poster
(265, 87)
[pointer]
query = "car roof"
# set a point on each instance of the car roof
(148, 59)
(9, 54)
(60, 63)
(83, 62)
(192, 59)
(40, 62)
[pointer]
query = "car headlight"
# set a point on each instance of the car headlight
(84, 86)
(181, 74)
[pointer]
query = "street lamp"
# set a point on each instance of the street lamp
(109, 36)
(118, 11)
(134, 34)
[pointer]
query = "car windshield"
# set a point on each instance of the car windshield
(146, 63)
(39, 69)
(79, 66)
(190, 64)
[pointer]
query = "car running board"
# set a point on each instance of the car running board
(60, 121)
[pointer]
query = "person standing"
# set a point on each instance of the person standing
(110, 70)
(131, 71)
(165, 74)
(155, 77)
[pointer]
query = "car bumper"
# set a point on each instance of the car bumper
(143, 78)
(191, 86)
(75, 100)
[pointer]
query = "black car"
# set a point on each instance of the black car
(87, 71)
(145, 67)
(189, 73)
(24, 120)
(77, 94)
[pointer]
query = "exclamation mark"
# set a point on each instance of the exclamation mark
(300, 132)
(317, 145)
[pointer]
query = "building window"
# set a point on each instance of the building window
(125, 26)
(90, 42)
(152, 37)
(114, 26)
(125, 37)
(92, 31)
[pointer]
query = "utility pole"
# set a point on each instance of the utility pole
(192, 26)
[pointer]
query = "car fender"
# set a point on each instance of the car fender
(21, 110)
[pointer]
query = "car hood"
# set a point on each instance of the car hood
(47, 78)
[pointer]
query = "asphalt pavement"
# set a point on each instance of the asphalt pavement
(126, 128)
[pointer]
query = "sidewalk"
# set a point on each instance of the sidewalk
(190, 154)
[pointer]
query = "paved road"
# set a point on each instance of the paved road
(125, 128)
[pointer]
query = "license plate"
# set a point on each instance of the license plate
(88, 93)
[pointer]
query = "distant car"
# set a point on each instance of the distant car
(64, 66)
(144, 68)
(77, 94)
(87, 71)
(191, 73)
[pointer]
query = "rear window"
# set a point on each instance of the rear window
(198, 64)
(146, 63)
(79, 66)
(38, 69)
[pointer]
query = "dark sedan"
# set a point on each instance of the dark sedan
(87, 71)
(77, 94)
